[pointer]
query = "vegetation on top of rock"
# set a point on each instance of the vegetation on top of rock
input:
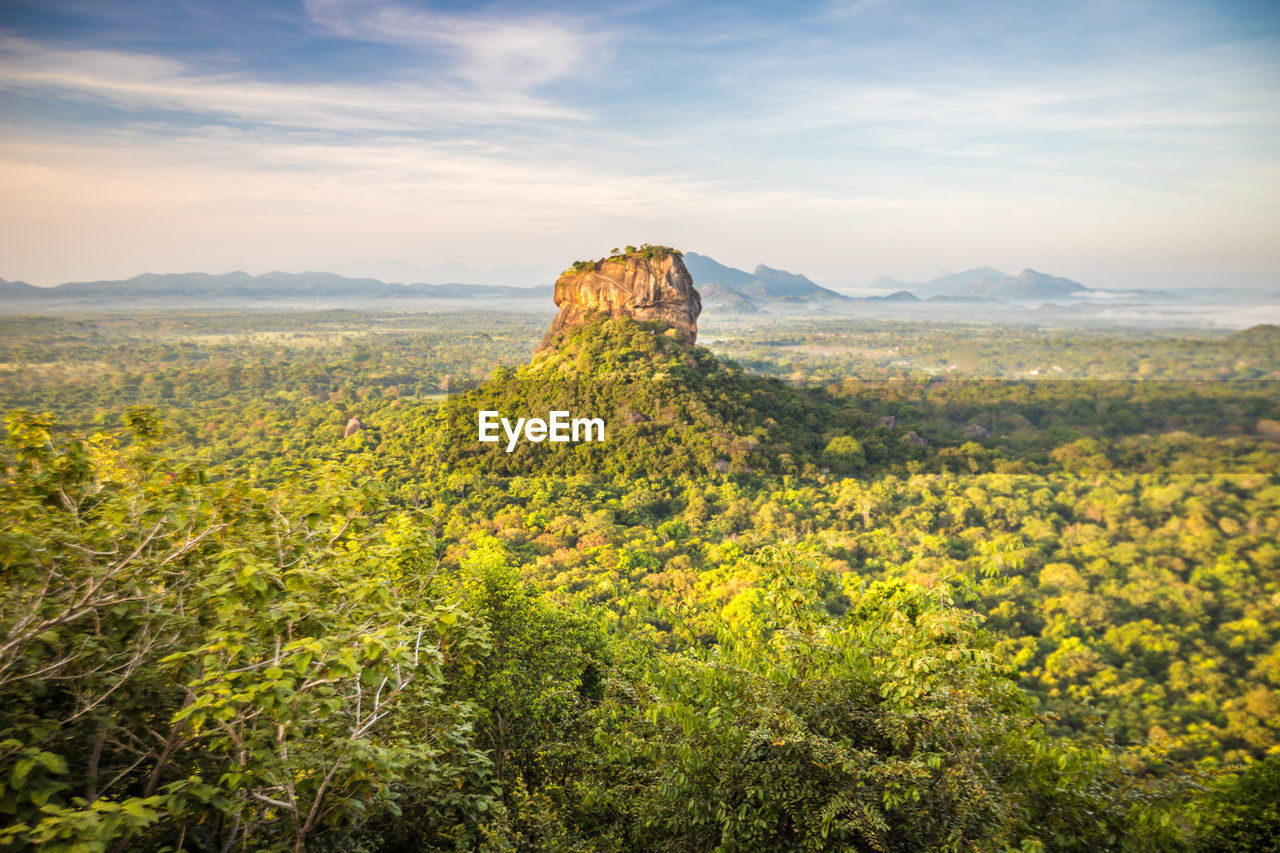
(648, 251)
(651, 283)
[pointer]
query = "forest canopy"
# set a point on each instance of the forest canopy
(777, 612)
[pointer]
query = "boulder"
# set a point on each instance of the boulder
(648, 284)
(915, 439)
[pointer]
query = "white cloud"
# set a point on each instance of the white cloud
(492, 53)
(143, 82)
(853, 8)
(812, 159)
(230, 198)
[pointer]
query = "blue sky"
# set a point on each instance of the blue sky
(1119, 143)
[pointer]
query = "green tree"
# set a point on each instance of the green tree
(843, 455)
(191, 658)
(1242, 812)
(535, 681)
(892, 727)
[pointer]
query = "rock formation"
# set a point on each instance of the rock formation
(647, 284)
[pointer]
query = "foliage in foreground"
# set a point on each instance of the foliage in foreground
(200, 663)
(192, 663)
(892, 727)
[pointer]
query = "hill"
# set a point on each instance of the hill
(726, 300)
(989, 283)
(667, 407)
(242, 286)
(1265, 332)
(765, 284)
(728, 289)
(18, 289)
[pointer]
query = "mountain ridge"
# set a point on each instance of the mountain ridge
(990, 283)
(17, 288)
(726, 289)
(274, 284)
(764, 284)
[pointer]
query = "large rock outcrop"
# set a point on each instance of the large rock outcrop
(649, 284)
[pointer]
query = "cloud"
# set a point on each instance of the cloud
(1139, 113)
(492, 53)
(229, 197)
(853, 8)
(825, 138)
(134, 81)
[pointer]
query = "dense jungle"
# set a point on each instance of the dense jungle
(829, 584)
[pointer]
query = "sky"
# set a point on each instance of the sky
(1117, 143)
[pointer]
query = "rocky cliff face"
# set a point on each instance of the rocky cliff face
(642, 286)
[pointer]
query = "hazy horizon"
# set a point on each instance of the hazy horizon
(1117, 144)
(408, 273)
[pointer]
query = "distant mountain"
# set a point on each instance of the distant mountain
(407, 271)
(238, 285)
(242, 286)
(1029, 284)
(708, 270)
(725, 299)
(765, 284)
(958, 284)
(17, 288)
(778, 284)
(728, 289)
(988, 283)
(544, 292)
(896, 296)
